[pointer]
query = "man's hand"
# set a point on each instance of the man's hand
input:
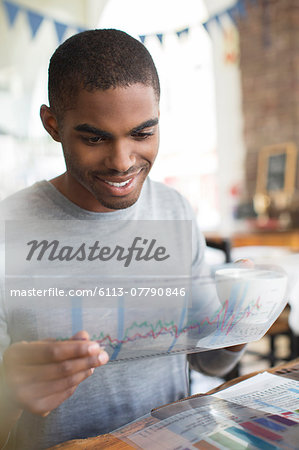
(40, 375)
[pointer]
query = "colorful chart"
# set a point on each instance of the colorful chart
(208, 424)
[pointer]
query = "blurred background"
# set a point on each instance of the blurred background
(229, 74)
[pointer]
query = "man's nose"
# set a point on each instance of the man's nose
(120, 156)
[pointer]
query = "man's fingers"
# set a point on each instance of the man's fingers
(43, 406)
(32, 385)
(43, 352)
(41, 375)
(55, 371)
(70, 367)
(42, 390)
(245, 262)
(41, 398)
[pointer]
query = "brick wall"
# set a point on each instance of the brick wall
(269, 61)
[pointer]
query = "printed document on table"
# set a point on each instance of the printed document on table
(265, 392)
(211, 423)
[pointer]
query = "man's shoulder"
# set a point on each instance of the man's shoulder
(22, 203)
(167, 200)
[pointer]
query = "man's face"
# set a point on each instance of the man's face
(110, 141)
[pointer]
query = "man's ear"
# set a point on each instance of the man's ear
(50, 122)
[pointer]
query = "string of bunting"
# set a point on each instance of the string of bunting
(35, 20)
(160, 36)
(235, 12)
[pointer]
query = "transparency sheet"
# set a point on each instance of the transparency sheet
(211, 423)
(134, 286)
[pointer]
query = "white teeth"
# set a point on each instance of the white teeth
(118, 184)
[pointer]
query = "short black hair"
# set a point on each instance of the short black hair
(98, 59)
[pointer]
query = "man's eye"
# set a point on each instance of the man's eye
(93, 139)
(141, 135)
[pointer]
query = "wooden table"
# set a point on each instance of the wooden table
(106, 441)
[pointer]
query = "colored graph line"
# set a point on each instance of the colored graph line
(224, 320)
(182, 318)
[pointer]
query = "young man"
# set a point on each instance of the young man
(104, 109)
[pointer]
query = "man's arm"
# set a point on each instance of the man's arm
(39, 376)
(216, 362)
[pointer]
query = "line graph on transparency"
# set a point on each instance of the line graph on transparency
(223, 319)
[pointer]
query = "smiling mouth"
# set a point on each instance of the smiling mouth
(120, 185)
(120, 181)
(124, 183)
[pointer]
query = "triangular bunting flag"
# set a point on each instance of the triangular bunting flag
(11, 11)
(180, 33)
(142, 38)
(206, 25)
(35, 21)
(160, 37)
(60, 30)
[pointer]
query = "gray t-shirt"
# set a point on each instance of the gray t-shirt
(116, 393)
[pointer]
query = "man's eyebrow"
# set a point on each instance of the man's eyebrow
(84, 127)
(146, 124)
